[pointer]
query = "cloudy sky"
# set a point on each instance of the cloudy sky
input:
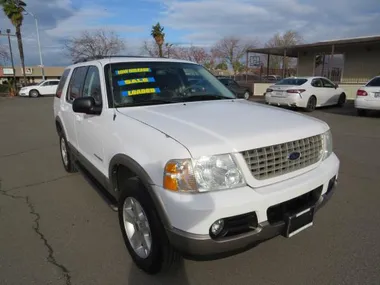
(197, 22)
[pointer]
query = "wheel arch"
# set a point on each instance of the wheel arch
(123, 167)
(31, 90)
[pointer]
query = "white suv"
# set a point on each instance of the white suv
(172, 145)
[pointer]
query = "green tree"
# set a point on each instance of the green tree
(222, 66)
(14, 9)
(159, 36)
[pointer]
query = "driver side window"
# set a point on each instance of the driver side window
(327, 83)
(317, 83)
(92, 87)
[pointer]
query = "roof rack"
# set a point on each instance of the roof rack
(107, 56)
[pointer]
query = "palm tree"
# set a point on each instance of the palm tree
(14, 9)
(159, 36)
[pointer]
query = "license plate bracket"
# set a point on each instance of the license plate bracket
(298, 222)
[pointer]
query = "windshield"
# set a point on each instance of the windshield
(42, 82)
(145, 83)
(375, 82)
(292, 81)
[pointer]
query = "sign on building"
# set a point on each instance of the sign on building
(28, 71)
(8, 71)
(254, 60)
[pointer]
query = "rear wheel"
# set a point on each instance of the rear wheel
(34, 93)
(143, 233)
(311, 104)
(246, 95)
(361, 112)
(342, 100)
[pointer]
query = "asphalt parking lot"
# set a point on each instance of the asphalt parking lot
(56, 229)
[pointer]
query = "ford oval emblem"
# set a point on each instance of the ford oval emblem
(294, 155)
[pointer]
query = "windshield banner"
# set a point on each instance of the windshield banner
(136, 80)
(140, 91)
(132, 70)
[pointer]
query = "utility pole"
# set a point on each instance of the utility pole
(9, 35)
(39, 43)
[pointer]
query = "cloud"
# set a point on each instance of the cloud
(207, 21)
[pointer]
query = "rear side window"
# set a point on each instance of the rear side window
(375, 82)
(76, 83)
(62, 83)
(292, 81)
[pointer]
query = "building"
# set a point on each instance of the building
(348, 62)
(33, 73)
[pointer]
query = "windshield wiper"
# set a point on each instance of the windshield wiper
(146, 103)
(203, 97)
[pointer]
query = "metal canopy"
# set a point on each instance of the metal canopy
(324, 46)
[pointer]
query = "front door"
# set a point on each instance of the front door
(89, 128)
(73, 91)
(44, 88)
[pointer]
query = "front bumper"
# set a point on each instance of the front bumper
(23, 93)
(190, 216)
(197, 247)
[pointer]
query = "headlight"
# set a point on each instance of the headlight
(206, 173)
(327, 144)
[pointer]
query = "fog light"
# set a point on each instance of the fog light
(217, 227)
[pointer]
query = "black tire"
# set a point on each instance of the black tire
(342, 100)
(246, 95)
(311, 104)
(162, 255)
(361, 112)
(34, 93)
(68, 163)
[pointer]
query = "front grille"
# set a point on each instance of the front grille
(272, 161)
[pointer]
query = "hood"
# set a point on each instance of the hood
(30, 86)
(216, 127)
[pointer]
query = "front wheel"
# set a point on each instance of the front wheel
(67, 159)
(143, 232)
(34, 93)
(311, 104)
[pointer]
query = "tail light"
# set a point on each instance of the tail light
(269, 90)
(58, 94)
(295, 90)
(361, 93)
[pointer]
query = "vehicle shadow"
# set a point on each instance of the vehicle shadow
(347, 110)
(176, 275)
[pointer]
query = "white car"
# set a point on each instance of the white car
(305, 92)
(190, 177)
(368, 97)
(46, 87)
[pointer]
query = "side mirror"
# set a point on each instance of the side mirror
(86, 105)
(336, 85)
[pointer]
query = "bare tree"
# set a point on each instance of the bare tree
(289, 38)
(152, 49)
(193, 53)
(94, 44)
(231, 50)
(4, 55)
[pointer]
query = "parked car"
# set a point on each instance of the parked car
(46, 87)
(272, 78)
(368, 97)
(305, 92)
(190, 177)
(240, 91)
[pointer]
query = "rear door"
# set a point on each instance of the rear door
(330, 93)
(53, 87)
(318, 90)
(44, 88)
